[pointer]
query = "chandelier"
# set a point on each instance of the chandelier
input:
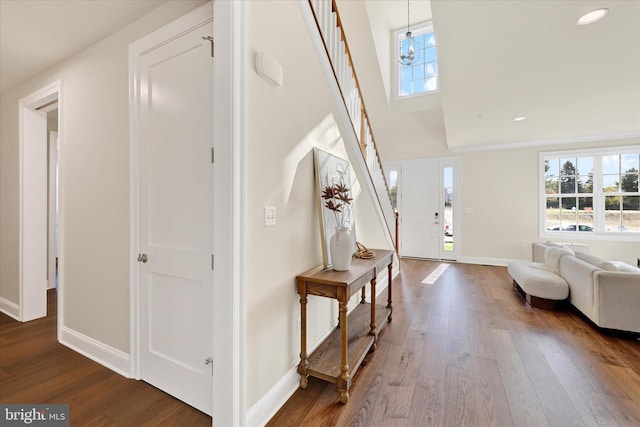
(409, 46)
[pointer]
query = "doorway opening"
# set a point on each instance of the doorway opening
(40, 261)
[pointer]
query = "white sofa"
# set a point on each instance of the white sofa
(607, 292)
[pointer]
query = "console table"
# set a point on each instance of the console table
(338, 357)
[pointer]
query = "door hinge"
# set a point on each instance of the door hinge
(210, 40)
(213, 156)
(212, 262)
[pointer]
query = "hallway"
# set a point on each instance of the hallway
(35, 368)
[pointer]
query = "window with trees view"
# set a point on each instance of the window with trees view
(593, 191)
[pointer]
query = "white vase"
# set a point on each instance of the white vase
(342, 248)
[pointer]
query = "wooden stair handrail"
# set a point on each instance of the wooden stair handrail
(365, 123)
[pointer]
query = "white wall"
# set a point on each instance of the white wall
(95, 178)
(501, 187)
(284, 124)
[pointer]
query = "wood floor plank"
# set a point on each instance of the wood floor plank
(480, 339)
(556, 404)
(626, 413)
(572, 376)
(627, 379)
(492, 400)
(459, 408)
(581, 343)
(526, 408)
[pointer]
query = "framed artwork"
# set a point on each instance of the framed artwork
(332, 171)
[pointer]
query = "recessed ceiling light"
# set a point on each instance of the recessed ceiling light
(519, 119)
(593, 16)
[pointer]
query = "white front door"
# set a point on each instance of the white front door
(420, 212)
(176, 216)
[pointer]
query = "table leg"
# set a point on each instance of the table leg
(343, 380)
(374, 327)
(363, 298)
(390, 268)
(302, 367)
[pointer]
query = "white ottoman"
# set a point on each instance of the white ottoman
(541, 288)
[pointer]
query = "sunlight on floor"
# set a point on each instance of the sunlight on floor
(435, 274)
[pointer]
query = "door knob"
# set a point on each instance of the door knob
(143, 258)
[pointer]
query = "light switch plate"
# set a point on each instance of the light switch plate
(269, 216)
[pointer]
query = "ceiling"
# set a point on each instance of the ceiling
(497, 60)
(35, 35)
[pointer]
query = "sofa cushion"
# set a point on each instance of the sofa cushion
(554, 244)
(542, 266)
(552, 257)
(623, 266)
(597, 262)
(538, 282)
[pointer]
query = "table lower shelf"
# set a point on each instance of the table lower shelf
(324, 362)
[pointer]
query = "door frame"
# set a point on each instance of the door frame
(229, 397)
(30, 308)
(52, 251)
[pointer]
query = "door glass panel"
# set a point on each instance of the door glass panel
(393, 188)
(448, 208)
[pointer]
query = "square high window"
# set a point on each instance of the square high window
(421, 76)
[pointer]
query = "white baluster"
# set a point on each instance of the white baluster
(328, 33)
(322, 17)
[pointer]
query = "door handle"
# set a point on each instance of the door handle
(143, 258)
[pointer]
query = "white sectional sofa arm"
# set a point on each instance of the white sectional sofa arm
(617, 300)
(579, 275)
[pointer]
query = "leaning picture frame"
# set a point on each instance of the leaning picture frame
(330, 170)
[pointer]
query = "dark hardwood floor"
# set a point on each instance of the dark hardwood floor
(36, 369)
(468, 351)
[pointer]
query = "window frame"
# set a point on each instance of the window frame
(417, 30)
(598, 195)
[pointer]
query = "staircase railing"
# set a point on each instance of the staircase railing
(330, 27)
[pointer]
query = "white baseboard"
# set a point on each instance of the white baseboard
(112, 358)
(501, 262)
(268, 405)
(272, 401)
(9, 308)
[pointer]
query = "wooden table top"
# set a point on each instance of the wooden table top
(359, 267)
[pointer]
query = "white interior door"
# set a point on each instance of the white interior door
(33, 254)
(420, 210)
(176, 217)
